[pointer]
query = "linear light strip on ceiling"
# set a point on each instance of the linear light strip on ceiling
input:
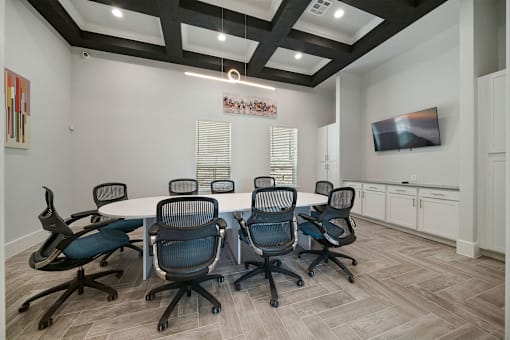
(227, 80)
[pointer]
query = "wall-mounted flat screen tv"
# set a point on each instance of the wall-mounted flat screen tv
(409, 131)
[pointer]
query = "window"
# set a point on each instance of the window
(283, 155)
(213, 152)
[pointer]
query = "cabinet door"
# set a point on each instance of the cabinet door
(401, 210)
(439, 217)
(496, 202)
(333, 175)
(322, 144)
(374, 204)
(322, 171)
(356, 208)
(497, 113)
(333, 142)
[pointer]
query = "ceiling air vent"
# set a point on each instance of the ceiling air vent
(319, 7)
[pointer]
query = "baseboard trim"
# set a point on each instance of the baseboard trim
(469, 249)
(18, 245)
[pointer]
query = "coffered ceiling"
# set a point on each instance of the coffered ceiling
(300, 42)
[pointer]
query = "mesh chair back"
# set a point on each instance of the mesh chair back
(336, 218)
(272, 223)
(57, 227)
(109, 192)
(222, 187)
(189, 237)
(323, 187)
(341, 198)
(183, 186)
(264, 182)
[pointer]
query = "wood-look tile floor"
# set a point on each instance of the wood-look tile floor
(406, 288)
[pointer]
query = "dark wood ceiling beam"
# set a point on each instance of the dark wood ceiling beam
(57, 16)
(315, 45)
(170, 26)
(148, 7)
(286, 16)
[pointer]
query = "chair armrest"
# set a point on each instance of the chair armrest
(222, 224)
(79, 215)
(91, 227)
(315, 222)
(238, 215)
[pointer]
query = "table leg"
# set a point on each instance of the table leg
(232, 235)
(147, 258)
(304, 241)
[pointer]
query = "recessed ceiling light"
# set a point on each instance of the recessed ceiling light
(298, 55)
(222, 37)
(339, 13)
(117, 12)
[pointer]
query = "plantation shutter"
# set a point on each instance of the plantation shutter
(283, 155)
(213, 152)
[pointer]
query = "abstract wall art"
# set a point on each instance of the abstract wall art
(249, 105)
(17, 110)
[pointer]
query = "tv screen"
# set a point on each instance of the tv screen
(413, 130)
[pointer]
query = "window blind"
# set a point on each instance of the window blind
(283, 155)
(213, 152)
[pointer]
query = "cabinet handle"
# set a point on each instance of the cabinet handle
(414, 202)
(421, 203)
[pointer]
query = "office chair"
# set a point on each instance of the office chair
(222, 187)
(321, 188)
(107, 193)
(183, 186)
(186, 241)
(263, 182)
(64, 250)
(271, 230)
(333, 228)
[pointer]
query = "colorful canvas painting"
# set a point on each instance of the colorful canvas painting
(249, 105)
(17, 110)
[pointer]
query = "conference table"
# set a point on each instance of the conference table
(145, 208)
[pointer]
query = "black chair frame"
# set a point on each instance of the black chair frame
(264, 182)
(223, 186)
(188, 181)
(322, 188)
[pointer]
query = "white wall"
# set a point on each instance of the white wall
(2, 188)
(426, 76)
(34, 50)
(135, 123)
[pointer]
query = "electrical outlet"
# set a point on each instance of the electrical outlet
(413, 178)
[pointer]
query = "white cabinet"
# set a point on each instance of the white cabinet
(438, 212)
(327, 153)
(357, 207)
(402, 206)
(374, 201)
(492, 155)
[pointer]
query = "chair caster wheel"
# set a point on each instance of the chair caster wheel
(162, 326)
(45, 323)
(300, 283)
(238, 286)
(150, 297)
(354, 262)
(119, 275)
(112, 297)
(246, 266)
(103, 263)
(24, 307)
(326, 260)
(220, 279)
(273, 303)
(311, 273)
(216, 310)
(278, 263)
(351, 279)
(299, 256)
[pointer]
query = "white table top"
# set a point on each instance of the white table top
(146, 207)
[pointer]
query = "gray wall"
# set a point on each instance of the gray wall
(135, 123)
(36, 52)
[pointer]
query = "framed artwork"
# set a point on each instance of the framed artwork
(17, 110)
(249, 105)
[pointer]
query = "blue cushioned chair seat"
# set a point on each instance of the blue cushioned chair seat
(125, 226)
(95, 244)
(308, 228)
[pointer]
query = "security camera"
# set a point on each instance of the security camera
(85, 55)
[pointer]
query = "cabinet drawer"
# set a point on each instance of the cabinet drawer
(394, 189)
(374, 187)
(451, 195)
(355, 185)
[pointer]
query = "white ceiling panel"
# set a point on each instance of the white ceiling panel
(201, 40)
(284, 59)
(262, 9)
(349, 28)
(95, 17)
